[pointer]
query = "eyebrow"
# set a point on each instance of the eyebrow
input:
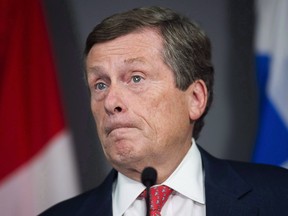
(130, 61)
(135, 60)
(94, 69)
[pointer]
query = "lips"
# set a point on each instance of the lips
(114, 126)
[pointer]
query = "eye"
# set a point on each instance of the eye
(100, 86)
(136, 78)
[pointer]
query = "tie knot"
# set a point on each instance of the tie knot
(158, 197)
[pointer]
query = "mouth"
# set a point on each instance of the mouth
(114, 127)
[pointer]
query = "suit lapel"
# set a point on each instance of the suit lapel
(100, 201)
(225, 190)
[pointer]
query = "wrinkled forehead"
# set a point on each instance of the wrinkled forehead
(139, 49)
(131, 46)
(102, 36)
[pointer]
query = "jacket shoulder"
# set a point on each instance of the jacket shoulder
(70, 206)
(262, 175)
(244, 187)
(93, 202)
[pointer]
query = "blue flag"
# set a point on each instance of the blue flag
(272, 72)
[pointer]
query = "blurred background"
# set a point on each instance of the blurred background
(231, 127)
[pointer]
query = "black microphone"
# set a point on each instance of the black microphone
(148, 178)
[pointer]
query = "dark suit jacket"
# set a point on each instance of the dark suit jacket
(231, 189)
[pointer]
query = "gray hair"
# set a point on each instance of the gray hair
(186, 48)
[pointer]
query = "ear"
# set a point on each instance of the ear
(197, 99)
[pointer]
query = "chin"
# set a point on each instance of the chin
(127, 160)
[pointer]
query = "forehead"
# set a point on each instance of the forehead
(133, 47)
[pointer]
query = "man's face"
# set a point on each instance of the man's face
(142, 118)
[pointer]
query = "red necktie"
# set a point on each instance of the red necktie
(158, 197)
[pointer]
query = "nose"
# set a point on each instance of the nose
(115, 100)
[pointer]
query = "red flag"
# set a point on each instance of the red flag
(31, 115)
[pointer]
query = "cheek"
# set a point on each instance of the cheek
(168, 106)
(98, 115)
(169, 114)
(157, 113)
(97, 108)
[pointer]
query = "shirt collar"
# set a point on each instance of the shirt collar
(125, 192)
(187, 180)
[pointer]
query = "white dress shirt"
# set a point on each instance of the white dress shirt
(187, 181)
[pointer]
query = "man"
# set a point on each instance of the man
(150, 77)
